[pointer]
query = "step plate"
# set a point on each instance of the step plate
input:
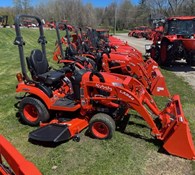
(65, 102)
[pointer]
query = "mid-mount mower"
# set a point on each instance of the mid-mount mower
(18, 165)
(123, 59)
(68, 100)
(176, 42)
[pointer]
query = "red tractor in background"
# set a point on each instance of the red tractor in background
(139, 32)
(157, 26)
(177, 42)
(28, 23)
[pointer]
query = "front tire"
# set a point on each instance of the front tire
(102, 126)
(33, 111)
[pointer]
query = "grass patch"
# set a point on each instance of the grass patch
(128, 153)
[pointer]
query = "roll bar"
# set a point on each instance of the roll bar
(20, 42)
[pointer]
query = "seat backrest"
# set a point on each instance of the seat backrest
(37, 63)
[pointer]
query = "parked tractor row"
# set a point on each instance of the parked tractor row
(100, 81)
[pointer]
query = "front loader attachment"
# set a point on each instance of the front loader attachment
(176, 133)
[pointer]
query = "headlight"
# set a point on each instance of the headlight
(147, 47)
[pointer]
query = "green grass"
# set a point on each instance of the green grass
(129, 153)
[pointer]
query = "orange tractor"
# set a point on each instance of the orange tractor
(67, 100)
(177, 42)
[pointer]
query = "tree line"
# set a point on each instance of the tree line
(121, 14)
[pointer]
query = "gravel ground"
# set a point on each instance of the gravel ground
(180, 69)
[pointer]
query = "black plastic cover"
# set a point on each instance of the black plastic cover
(51, 133)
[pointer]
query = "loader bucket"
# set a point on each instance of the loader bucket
(177, 137)
(180, 142)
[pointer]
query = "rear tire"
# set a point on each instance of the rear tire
(33, 111)
(102, 126)
(190, 59)
(163, 59)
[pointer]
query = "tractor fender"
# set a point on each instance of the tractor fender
(165, 39)
(169, 38)
(41, 93)
(89, 56)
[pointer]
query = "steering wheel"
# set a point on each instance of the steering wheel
(69, 67)
(100, 76)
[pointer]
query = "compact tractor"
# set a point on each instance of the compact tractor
(114, 57)
(66, 101)
(139, 32)
(73, 51)
(176, 43)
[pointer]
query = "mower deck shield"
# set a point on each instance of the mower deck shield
(176, 136)
(59, 131)
(51, 133)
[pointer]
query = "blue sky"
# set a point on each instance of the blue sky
(96, 3)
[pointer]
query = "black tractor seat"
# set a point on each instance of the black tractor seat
(39, 68)
(50, 77)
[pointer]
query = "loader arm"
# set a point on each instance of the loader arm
(174, 129)
(148, 72)
(131, 92)
(18, 164)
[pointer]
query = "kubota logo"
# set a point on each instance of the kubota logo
(127, 94)
(101, 86)
(119, 61)
(160, 89)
